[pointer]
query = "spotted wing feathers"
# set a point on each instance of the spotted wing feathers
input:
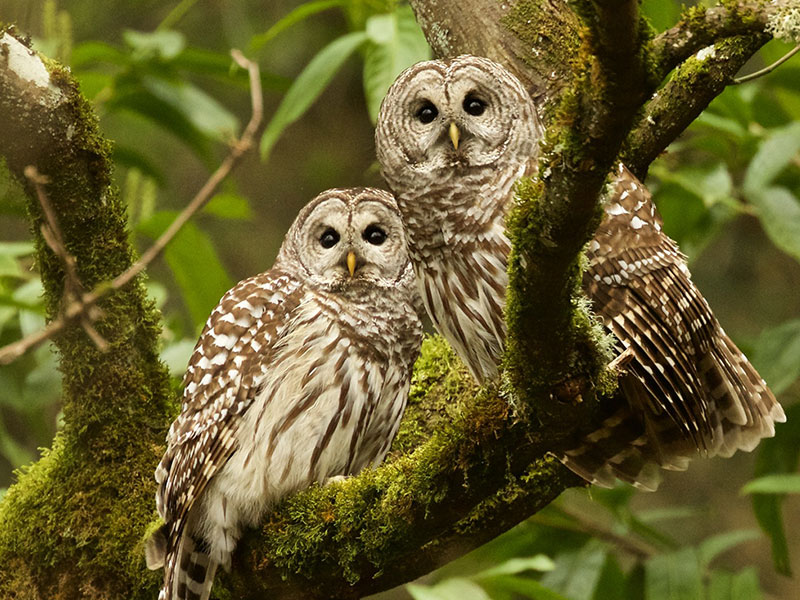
(689, 388)
(227, 367)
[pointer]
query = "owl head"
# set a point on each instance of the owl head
(467, 113)
(347, 239)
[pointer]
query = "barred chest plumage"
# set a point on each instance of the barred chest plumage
(459, 249)
(348, 398)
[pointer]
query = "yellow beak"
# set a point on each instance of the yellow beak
(455, 135)
(351, 262)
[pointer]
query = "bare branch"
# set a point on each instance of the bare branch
(51, 233)
(768, 69)
(78, 309)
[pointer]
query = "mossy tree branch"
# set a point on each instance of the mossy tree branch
(701, 27)
(71, 525)
(465, 466)
(695, 83)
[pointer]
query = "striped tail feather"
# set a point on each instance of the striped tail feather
(196, 570)
(188, 568)
(641, 437)
(747, 408)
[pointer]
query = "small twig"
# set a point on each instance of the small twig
(768, 69)
(633, 546)
(51, 233)
(78, 309)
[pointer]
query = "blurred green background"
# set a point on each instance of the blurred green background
(162, 82)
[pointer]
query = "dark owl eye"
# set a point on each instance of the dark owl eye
(374, 235)
(474, 106)
(427, 112)
(329, 238)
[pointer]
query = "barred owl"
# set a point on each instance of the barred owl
(301, 374)
(452, 138)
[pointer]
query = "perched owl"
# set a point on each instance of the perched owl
(301, 374)
(453, 136)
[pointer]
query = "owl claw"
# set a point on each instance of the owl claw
(336, 479)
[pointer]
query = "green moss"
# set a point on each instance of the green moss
(549, 39)
(73, 522)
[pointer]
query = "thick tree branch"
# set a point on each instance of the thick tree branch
(691, 89)
(70, 526)
(704, 27)
(556, 215)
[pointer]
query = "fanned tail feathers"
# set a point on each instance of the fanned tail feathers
(689, 390)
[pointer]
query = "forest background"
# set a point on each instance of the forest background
(159, 75)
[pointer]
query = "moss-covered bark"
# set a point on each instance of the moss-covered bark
(70, 527)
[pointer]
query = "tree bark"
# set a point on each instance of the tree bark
(464, 467)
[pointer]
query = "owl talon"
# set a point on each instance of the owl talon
(336, 479)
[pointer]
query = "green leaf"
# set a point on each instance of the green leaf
(777, 355)
(717, 544)
(176, 356)
(139, 101)
(722, 124)
(450, 589)
(97, 52)
(229, 206)
(9, 253)
(513, 566)
(130, 157)
(309, 85)
(207, 115)
(662, 15)
(299, 14)
(516, 586)
(779, 454)
(220, 66)
(14, 452)
(734, 586)
(779, 212)
(194, 264)
(165, 44)
(611, 585)
(93, 83)
(783, 483)
(577, 573)
(396, 43)
(773, 156)
(16, 249)
(674, 576)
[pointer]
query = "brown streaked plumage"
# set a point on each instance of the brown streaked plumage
(301, 374)
(453, 136)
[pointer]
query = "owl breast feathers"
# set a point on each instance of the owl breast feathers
(452, 138)
(301, 374)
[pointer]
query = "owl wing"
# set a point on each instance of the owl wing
(691, 388)
(225, 372)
